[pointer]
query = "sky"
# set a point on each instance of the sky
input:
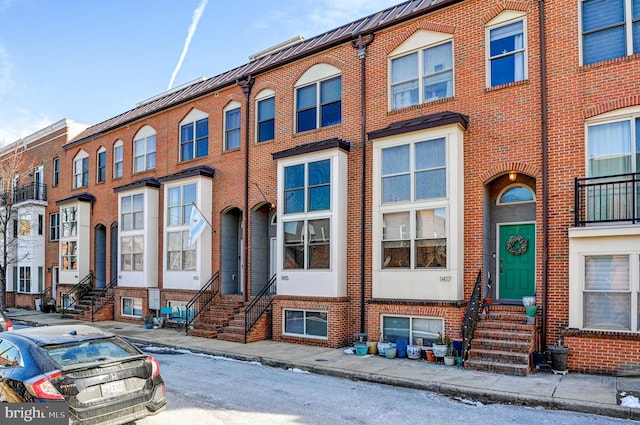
(91, 60)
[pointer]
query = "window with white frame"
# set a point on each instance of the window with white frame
(411, 328)
(132, 233)
(422, 76)
(194, 136)
(232, 126)
(610, 29)
(131, 306)
(307, 221)
(507, 53)
(101, 161)
(81, 170)
(144, 150)
(118, 159)
(306, 323)
(54, 226)
(181, 200)
(69, 221)
(318, 98)
(69, 255)
(613, 148)
(414, 212)
(179, 310)
(610, 296)
(265, 116)
(25, 279)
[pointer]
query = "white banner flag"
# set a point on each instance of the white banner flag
(197, 223)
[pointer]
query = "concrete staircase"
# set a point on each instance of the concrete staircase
(82, 307)
(503, 342)
(218, 317)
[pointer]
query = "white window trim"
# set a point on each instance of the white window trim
(133, 232)
(411, 318)
(102, 150)
(118, 145)
(305, 335)
(143, 134)
(263, 95)
(82, 155)
(419, 42)
(314, 75)
(230, 107)
(506, 188)
(506, 18)
(192, 118)
(430, 283)
(122, 306)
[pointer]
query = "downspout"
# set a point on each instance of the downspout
(545, 184)
(361, 44)
(246, 84)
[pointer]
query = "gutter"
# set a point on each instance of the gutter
(361, 44)
(545, 184)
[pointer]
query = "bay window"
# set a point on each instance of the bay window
(181, 200)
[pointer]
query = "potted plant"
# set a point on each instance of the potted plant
(559, 356)
(441, 345)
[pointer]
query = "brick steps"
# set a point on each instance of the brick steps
(503, 342)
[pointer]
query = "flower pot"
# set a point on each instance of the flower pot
(373, 347)
(414, 351)
(361, 348)
(459, 360)
(401, 348)
(382, 346)
(531, 310)
(430, 356)
(148, 325)
(440, 350)
(390, 352)
(449, 360)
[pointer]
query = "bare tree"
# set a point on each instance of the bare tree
(12, 164)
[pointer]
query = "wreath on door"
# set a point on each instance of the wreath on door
(517, 245)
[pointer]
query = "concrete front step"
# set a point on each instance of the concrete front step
(518, 369)
(232, 337)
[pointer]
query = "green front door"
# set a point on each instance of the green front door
(517, 261)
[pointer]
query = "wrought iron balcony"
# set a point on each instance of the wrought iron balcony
(27, 192)
(607, 199)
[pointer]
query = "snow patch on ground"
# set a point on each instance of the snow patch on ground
(628, 400)
(296, 370)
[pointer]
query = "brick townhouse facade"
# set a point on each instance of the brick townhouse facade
(372, 180)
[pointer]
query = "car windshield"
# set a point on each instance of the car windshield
(90, 351)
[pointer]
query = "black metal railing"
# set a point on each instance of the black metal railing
(607, 199)
(200, 300)
(78, 291)
(471, 315)
(104, 297)
(27, 192)
(259, 305)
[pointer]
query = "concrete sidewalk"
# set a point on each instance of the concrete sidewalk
(593, 394)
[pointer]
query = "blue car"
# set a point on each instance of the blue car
(103, 378)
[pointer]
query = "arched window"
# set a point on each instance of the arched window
(318, 98)
(515, 194)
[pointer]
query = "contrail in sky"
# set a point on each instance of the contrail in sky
(192, 29)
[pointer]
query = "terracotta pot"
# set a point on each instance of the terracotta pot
(430, 356)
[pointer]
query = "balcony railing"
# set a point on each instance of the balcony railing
(27, 192)
(607, 199)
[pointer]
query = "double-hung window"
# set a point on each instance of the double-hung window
(54, 226)
(414, 218)
(319, 104)
(507, 53)
(307, 209)
(132, 233)
(81, 171)
(144, 153)
(25, 279)
(194, 139)
(56, 171)
(69, 242)
(610, 29)
(610, 296)
(266, 119)
(118, 159)
(101, 173)
(422, 76)
(180, 254)
(232, 129)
